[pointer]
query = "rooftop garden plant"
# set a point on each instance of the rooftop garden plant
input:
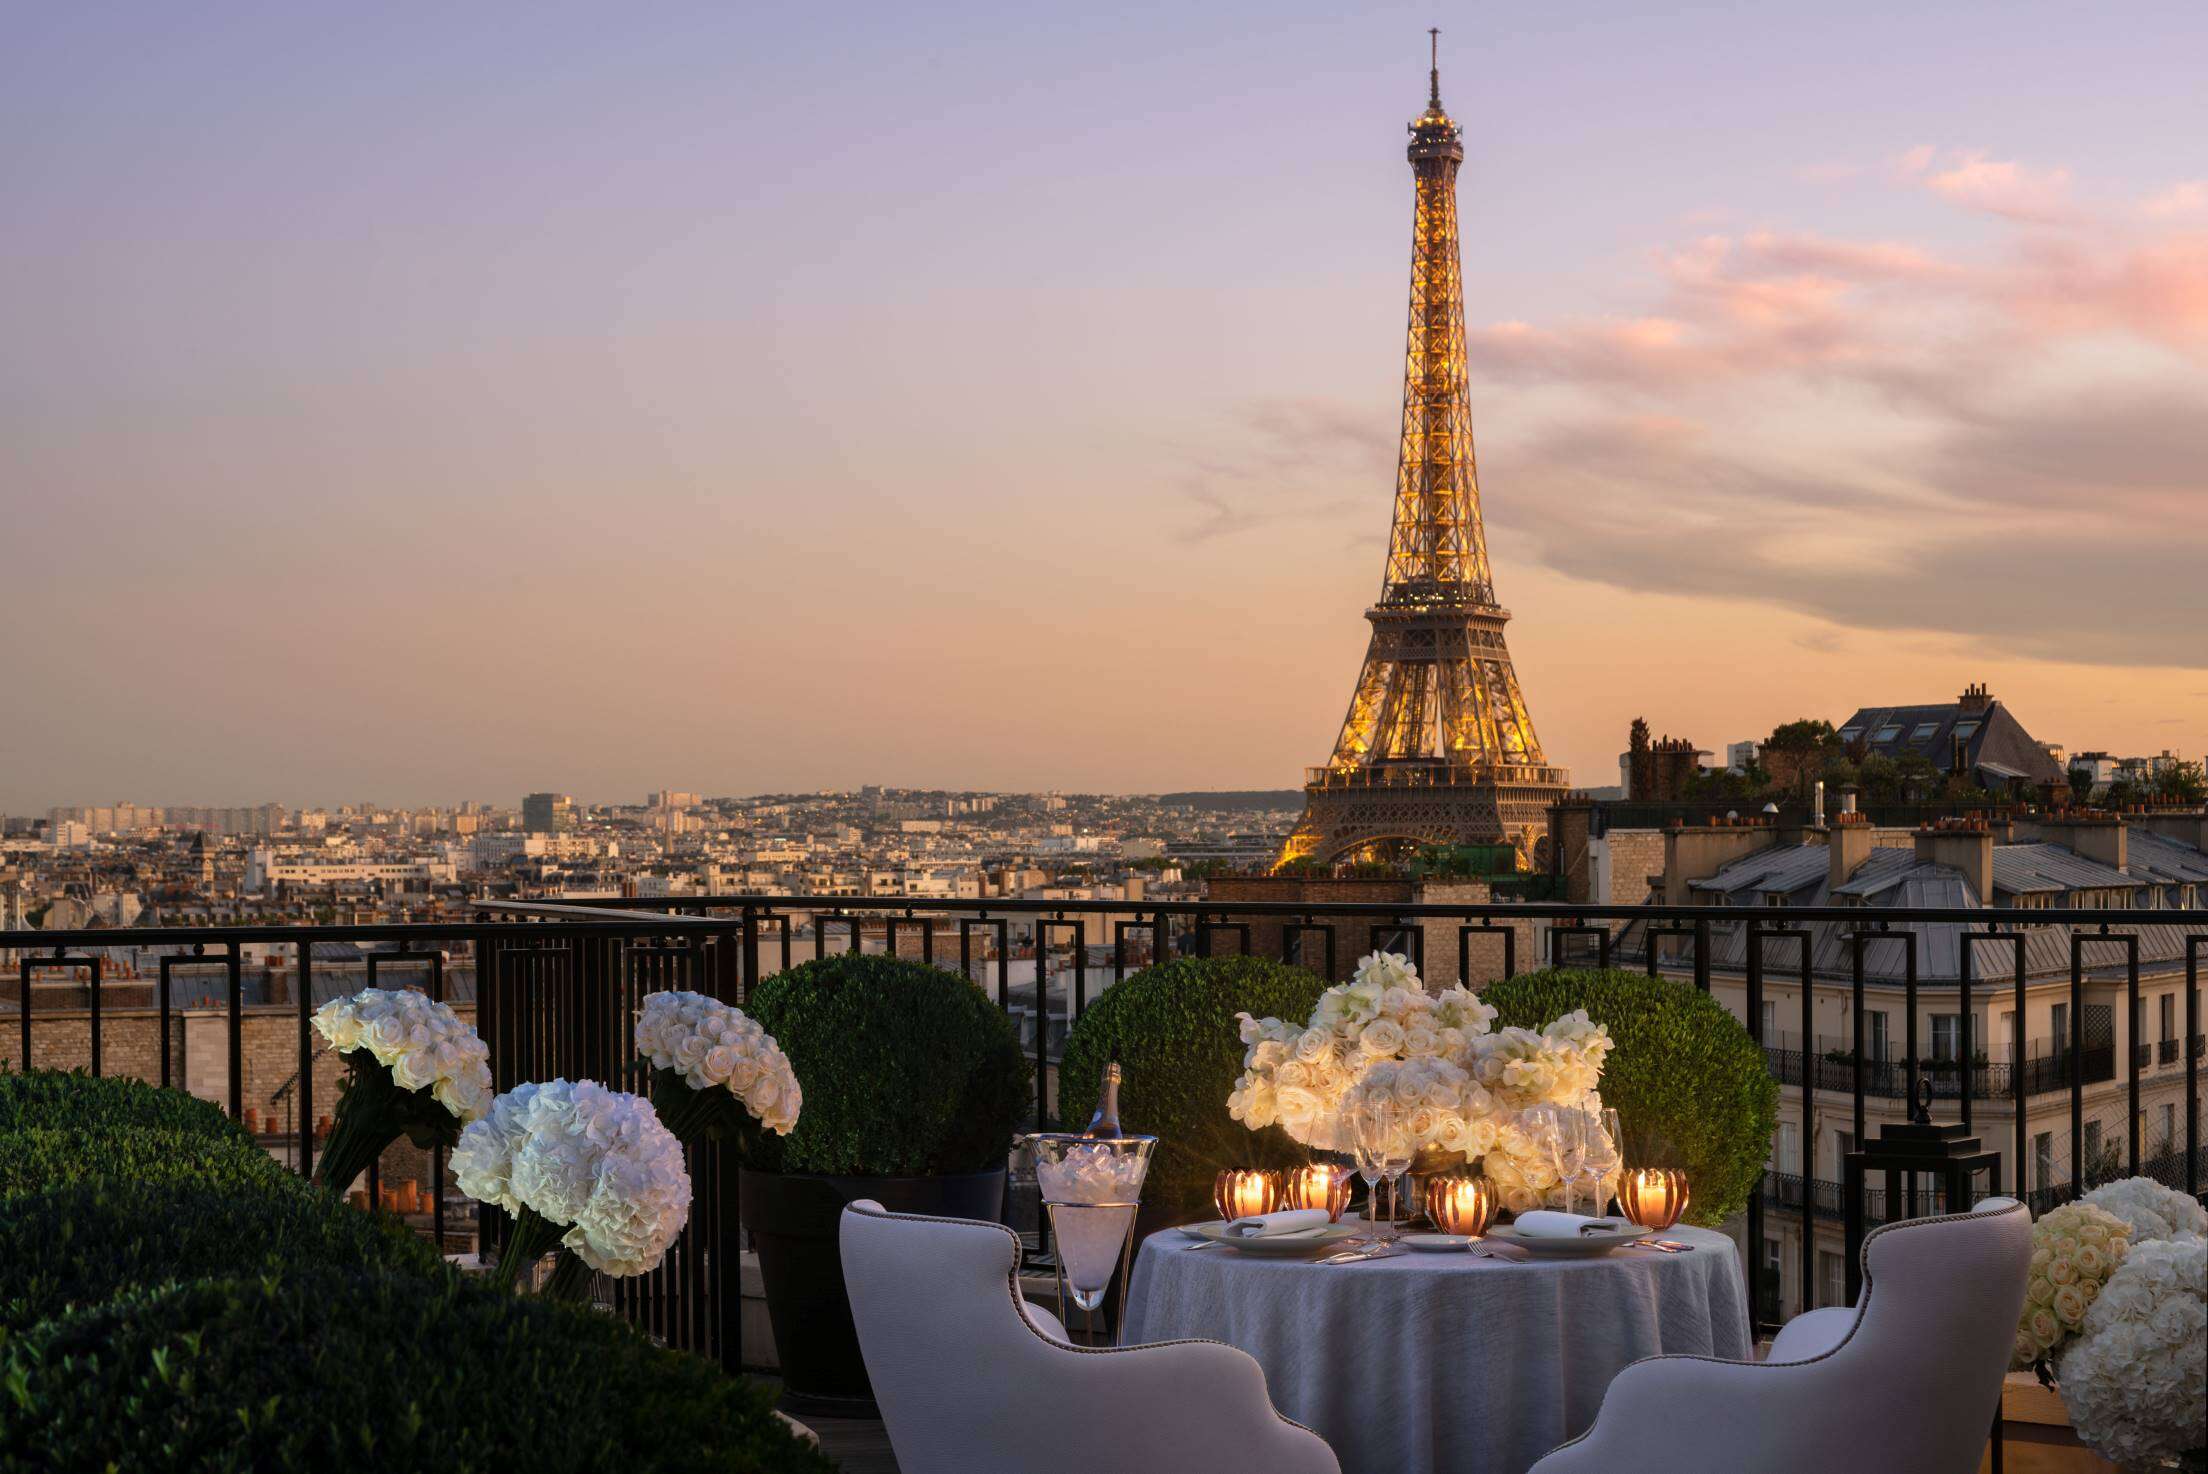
(1690, 1086)
(327, 1369)
(1180, 1050)
(907, 1070)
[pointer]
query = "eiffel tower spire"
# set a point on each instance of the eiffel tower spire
(1437, 746)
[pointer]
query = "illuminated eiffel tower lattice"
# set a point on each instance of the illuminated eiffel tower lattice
(1437, 747)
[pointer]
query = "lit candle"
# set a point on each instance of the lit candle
(1653, 1197)
(1320, 1185)
(1244, 1194)
(1463, 1205)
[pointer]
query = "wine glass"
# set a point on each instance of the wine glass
(1395, 1160)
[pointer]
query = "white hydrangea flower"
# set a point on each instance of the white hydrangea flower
(2152, 1210)
(424, 1044)
(594, 1160)
(713, 1045)
(2136, 1379)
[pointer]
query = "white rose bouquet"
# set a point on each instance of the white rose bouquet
(2075, 1248)
(2153, 1211)
(1461, 1086)
(413, 1068)
(715, 1069)
(582, 1168)
(2135, 1379)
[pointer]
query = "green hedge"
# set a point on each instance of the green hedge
(394, 1373)
(71, 1100)
(1180, 1052)
(907, 1069)
(1690, 1087)
(86, 1243)
(37, 1158)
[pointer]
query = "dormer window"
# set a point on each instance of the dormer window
(1964, 729)
(1887, 733)
(1923, 731)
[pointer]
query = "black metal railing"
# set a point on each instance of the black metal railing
(554, 986)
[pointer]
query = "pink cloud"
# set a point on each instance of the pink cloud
(2000, 187)
(2178, 202)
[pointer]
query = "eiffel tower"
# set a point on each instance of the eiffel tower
(1437, 746)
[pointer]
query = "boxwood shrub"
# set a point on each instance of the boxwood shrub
(907, 1070)
(85, 1243)
(33, 1159)
(1690, 1087)
(1180, 1051)
(71, 1100)
(397, 1373)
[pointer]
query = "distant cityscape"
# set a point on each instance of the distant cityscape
(130, 864)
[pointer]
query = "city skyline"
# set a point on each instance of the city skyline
(466, 400)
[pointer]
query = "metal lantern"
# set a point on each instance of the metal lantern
(1948, 1153)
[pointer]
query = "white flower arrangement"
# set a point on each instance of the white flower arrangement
(2136, 1379)
(2153, 1211)
(710, 1053)
(401, 1048)
(589, 1169)
(2075, 1248)
(1460, 1085)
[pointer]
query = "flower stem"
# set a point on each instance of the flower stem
(571, 1279)
(355, 1142)
(533, 1236)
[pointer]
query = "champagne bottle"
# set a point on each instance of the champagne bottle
(1105, 1123)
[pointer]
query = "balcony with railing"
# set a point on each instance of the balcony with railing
(551, 989)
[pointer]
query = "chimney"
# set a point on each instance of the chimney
(1975, 698)
(1847, 798)
(1696, 852)
(2185, 828)
(1849, 843)
(2094, 836)
(1961, 844)
(1817, 811)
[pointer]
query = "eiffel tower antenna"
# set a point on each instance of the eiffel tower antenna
(1437, 746)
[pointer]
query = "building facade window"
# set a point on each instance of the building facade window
(2043, 1161)
(1947, 1036)
(1874, 1035)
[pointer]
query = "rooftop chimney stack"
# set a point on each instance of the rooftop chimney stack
(1961, 844)
(1848, 845)
(1975, 698)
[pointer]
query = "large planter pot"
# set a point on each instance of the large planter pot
(793, 1219)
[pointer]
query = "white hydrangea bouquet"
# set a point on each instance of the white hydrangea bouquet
(413, 1068)
(588, 1170)
(715, 1069)
(2153, 1211)
(1461, 1087)
(2075, 1248)
(2136, 1377)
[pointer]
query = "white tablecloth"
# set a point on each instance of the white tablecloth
(1444, 1361)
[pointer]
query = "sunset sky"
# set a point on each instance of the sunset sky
(422, 402)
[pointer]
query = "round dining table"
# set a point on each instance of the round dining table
(1444, 1361)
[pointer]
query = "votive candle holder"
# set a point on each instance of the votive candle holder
(1653, 1197)
(1319, 1185)
(1459, 1204)
(1245, 1193)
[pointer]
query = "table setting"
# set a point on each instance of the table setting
(1509, 1259)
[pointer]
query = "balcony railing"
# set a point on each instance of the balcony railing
(553, 987)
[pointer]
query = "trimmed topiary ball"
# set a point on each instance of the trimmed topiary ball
(37, 1158)
(68, 1100)
(87, 1243)
(1180, 1052)
(396, 1373)
(907, 1070)
(1691, 1089)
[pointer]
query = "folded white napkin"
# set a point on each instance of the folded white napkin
(1271, 1225)
(1542, 1223)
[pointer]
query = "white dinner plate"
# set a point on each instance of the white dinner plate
(1284, 1245)
(1584, 1246)
(1436, 1243)
(1196, 1230)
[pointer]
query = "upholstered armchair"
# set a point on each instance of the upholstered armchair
(1906, 1381)
(970, 1379)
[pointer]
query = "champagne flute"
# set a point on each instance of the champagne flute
(1373, 1125)
(1567, 1143)
(1614, 1158)
(1363, 1148)
(1395, 1160)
